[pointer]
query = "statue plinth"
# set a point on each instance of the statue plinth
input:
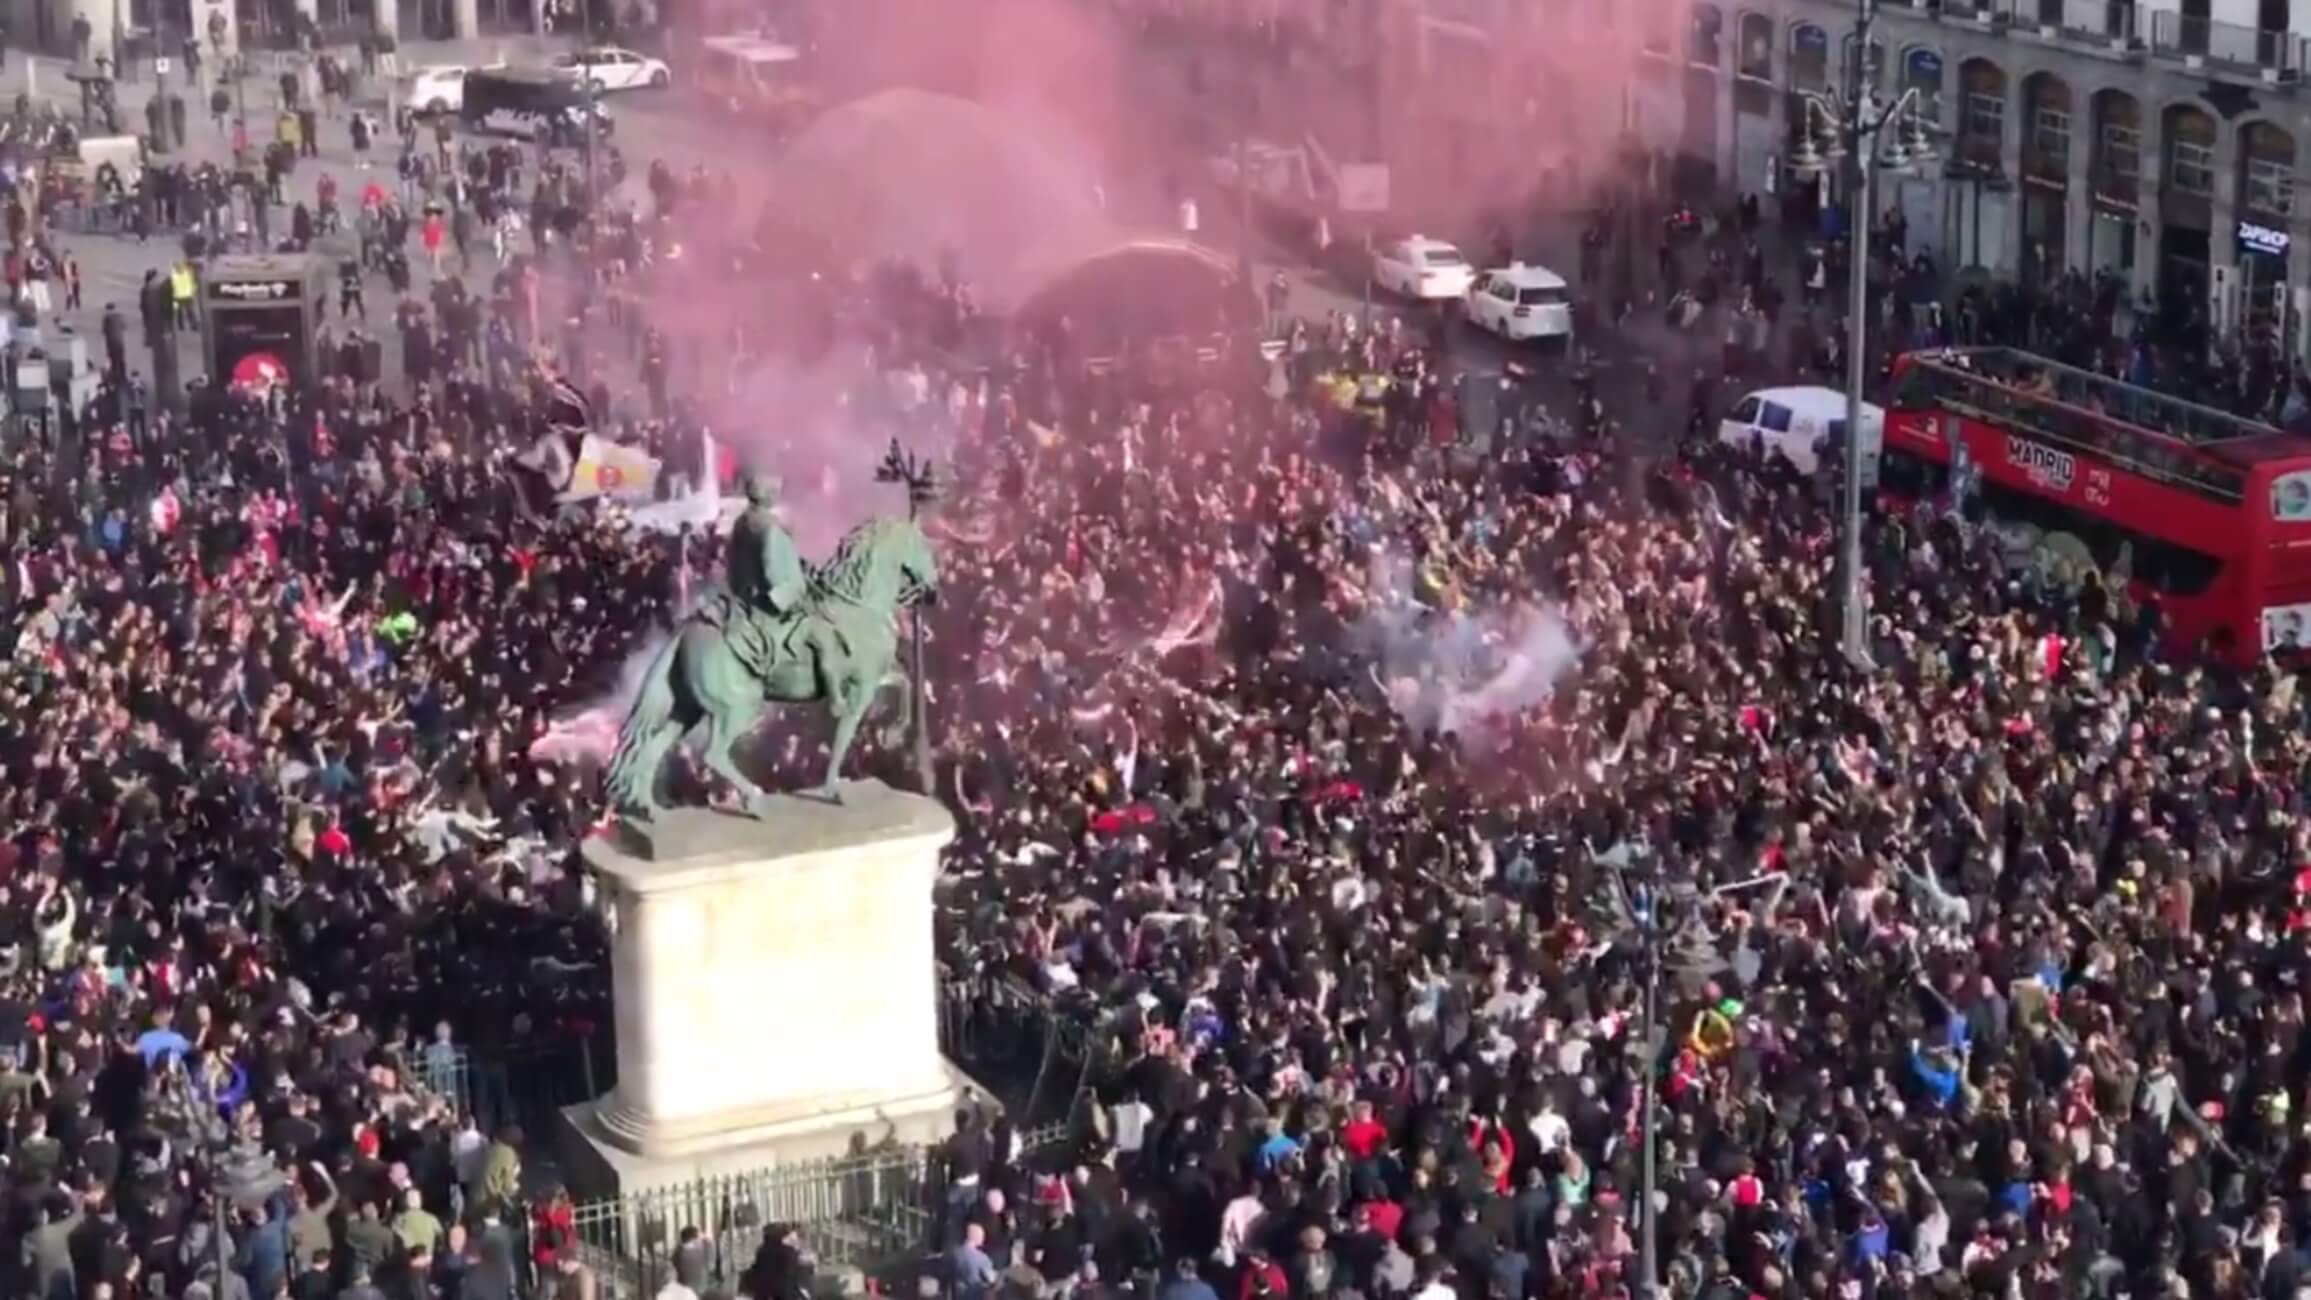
(776, 987)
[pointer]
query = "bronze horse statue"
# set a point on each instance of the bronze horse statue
(729, 661)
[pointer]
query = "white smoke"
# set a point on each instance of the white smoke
(1458, 670)
(588, 734)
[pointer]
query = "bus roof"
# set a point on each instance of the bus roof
(2113, 399)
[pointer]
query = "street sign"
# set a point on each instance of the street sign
(1364, 187)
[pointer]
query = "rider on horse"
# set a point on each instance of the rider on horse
(765, 566)
(769, 584)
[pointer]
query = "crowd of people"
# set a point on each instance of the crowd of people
(1985, 963)
(1366, 802)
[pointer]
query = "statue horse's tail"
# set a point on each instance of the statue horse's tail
(643, 739)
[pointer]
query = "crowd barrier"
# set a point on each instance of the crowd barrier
(1041, 1057)
(862, 1211)
(877, 1211)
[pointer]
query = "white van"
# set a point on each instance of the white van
(1792, 422)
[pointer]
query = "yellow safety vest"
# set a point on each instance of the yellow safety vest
(1712, 1034)
(181, 284)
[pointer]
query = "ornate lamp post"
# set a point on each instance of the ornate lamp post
(237, 1172)
(920, 477)
(1852, 124)
(1663, 927)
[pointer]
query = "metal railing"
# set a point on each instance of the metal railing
(2232, 44)
(1034, 1053)
(1039, 1056)
(877, 1211)
(526, 1084)
(1979, 10)
(2096, 20)
(855, 1211)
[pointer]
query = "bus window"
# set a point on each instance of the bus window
(2181, 570)
(2162, 565)
(1912, 478)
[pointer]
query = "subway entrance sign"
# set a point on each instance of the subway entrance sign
(262, 313)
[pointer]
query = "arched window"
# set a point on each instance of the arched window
(2267, 170)
(1708, 34)
(1922, 73)
(1809, 57)
(1756, 61)
(2191, 151)
(1982, 114)
(2046, 144)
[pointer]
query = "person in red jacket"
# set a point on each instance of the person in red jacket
(553, 1229)
(1364, 1136)
(1263, 1278)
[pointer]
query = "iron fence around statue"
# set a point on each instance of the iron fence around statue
(1040, 1056)
(861, 1211)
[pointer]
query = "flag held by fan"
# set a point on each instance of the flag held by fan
(608, 469)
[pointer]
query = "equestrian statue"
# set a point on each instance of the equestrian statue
(776, 631)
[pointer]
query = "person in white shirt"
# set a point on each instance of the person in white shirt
(1550, 1129)
(1239, 1224)
(1131, 1119)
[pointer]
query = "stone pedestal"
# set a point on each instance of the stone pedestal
(776, 989)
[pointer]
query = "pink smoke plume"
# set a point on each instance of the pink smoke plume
(1479, 107)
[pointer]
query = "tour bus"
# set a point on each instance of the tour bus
(2211, 512)
(756, 78)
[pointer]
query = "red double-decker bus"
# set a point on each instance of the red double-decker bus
(2211, 513)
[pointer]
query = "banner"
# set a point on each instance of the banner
(609, 469)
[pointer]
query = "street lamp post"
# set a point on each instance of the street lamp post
(1664, 926)
(920, 477)
(237, 1173)
(1853, 122)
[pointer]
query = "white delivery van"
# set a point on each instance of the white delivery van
(1793, 422)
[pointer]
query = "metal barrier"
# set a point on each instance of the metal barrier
(526, 1084)
(2177, 35)
(2117, 21)
(1038, 1056)
(1033, 1054)
(869, 1210)
(874, 1211)
(856, 1211)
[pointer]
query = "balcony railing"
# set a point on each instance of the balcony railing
(2278, 55)
(2115, 21)
(1977, 10)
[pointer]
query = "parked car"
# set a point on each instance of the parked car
(607, 67)
(1417, 266)
(1521, 302)
(435, 88)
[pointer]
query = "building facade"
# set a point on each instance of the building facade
(2159, 141)
(147, 27)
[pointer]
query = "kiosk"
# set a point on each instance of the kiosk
(262, 315)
